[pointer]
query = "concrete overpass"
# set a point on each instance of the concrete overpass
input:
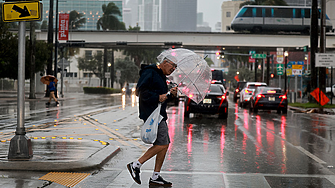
(191, 40)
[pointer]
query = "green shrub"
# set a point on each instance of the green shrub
(100, 90)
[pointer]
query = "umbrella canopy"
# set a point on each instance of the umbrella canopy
(46, 79)
(193, 75)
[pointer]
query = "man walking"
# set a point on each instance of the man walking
(152, 89)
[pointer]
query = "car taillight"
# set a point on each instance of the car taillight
(223, 97)
(236, 90)
(259, 96)
(283, 96)
(213, 81)
(246, 91)
(190, 96)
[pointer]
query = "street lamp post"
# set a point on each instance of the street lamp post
(285, 54)
(109, 80)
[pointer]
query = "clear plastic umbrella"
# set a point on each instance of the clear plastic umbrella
(193, 75)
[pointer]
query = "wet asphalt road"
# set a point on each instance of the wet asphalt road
(246, 150)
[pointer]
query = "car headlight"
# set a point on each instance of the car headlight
(123, 89)
(133, 89)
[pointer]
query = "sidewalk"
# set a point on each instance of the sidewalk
(52, 153)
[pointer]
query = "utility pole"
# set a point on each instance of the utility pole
(50, 43)
(322, 70)
(314, 44)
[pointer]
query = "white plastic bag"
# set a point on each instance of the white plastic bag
(150, 126)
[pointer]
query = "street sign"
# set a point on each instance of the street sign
(280, 58)
(296, 72)
(63, 60)
(279, 73)
(251, 60)
(107, 75)
(258, 56)
(280, 67)
(21, 11)
(324, 60)
(252, 52)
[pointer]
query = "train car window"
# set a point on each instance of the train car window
(258, 12)
(296, 13)
(283, 13)
(241, 12)
(268, 12)
(307, 13)
(248, 13)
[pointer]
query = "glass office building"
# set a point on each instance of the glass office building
(92, 10)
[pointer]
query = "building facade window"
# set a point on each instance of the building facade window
(228, 14)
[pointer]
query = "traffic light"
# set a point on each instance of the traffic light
(272, 75)
(173, 44)
(306, 48)
(220, 54)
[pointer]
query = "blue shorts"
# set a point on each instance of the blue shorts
(163, 137)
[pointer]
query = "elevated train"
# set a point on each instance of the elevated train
(257, 19)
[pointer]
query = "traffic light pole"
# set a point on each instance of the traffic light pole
(20, 145)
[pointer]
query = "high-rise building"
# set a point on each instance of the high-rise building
(92, 10)
(179, 15)
(130, 13)
(148, 15)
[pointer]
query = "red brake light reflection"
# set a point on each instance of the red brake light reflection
(282, 96)
(259, 96)
(190, 96)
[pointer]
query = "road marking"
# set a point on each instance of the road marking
(310, 155)
(106, 132)
(242, 174)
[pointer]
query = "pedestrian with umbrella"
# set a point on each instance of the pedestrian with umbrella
(52, 89)
(193, 78)
(152, 90)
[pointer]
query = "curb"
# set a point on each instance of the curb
(94, 161)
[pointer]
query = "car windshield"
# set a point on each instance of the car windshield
(241, 85)
(132, 85)
(216, 89)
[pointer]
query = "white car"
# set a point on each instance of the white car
(247, 91)
(245, 95)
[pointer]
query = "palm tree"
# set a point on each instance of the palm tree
(76, 20)
(109, 21)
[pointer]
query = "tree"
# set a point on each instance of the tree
(94, 64)
(264, 2)
(140, 55)
(76, 20)
(44, 25)
(136, 28)
(129, 71)
(209, 61)
(109, 21)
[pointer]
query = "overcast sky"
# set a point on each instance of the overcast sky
(211, 10)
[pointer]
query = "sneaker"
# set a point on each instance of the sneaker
(160, 181)
(47, 103)
(134, 172)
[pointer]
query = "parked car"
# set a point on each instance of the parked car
(268, 98)
(330, 89)
(245, 95)
(239, 87)
(215, 102)
(132, 87)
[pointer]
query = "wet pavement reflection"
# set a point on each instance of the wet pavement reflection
(247, 149)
